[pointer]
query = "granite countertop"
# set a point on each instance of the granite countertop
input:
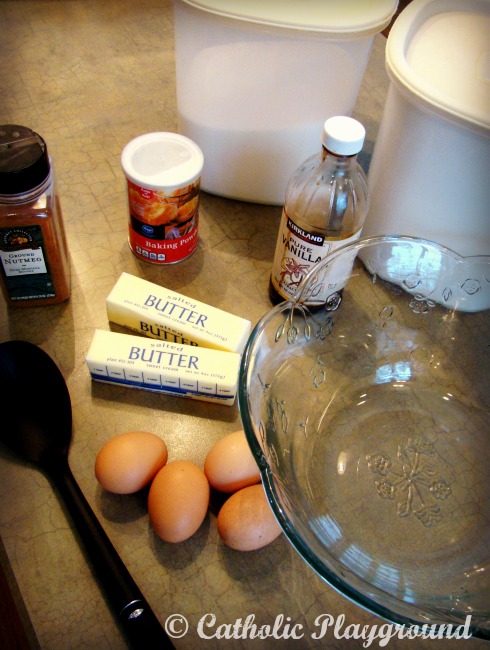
(90, 76)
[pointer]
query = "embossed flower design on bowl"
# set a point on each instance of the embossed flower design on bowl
(412, 481)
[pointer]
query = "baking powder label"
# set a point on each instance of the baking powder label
(163, 227)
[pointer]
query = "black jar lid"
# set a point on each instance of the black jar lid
(24, 162)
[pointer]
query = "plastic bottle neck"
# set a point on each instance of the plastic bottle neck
(346, 160)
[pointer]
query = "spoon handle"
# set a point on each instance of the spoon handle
(141, 626)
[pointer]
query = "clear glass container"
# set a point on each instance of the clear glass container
(370, 423)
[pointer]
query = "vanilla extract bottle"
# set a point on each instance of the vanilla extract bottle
(325, 207)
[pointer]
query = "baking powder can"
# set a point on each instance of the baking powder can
(163, 174)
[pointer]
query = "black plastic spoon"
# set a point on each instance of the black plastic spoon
(37, 425)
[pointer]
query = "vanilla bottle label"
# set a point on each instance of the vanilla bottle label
(297, 251)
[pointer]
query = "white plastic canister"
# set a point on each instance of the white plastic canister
(256, 80)
(429, 173)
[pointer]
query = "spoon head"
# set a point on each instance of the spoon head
(37, 418)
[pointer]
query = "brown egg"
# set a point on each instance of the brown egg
(178, 500)
(128, 462)
(246, 521)
(230, 465)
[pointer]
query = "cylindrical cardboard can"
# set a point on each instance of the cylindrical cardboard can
(163, 173)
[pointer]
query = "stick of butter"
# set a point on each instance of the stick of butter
(163, 314)
(182, 370)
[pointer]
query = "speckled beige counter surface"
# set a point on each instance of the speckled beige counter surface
(90, 75)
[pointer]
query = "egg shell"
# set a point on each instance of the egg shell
(230, 465)
(246, 521)
(130, 461)
(178, 500)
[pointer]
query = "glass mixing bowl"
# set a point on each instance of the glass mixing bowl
(369, 417)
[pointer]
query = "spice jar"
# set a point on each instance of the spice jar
(34, 264)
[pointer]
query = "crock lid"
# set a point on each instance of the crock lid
(339, 18)
(438, 52)
(24, 161)
(162, 160)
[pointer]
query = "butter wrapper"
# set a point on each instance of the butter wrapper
(169, 316)
(163, 367)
